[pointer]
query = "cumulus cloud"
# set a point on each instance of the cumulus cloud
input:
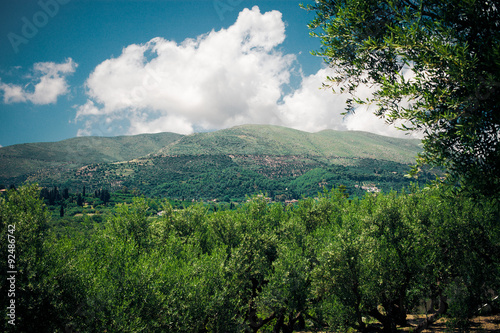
(313, 107)
(48, 81)
(220, 79)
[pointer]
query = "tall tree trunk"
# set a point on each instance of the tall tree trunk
(279, 323)
(388, 323)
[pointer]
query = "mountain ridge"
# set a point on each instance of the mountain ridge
(17, 160)
(283, 141)
(230, 162)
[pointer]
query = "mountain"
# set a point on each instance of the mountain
(225, 164)
(20, 161)
(282, 141)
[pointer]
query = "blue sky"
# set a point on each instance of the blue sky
(74, 67)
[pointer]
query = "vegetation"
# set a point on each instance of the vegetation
(324, 264)
(92, 255)
(433, 65)
(33, 160)
(282, 141)
(224, 178)
(229, 164)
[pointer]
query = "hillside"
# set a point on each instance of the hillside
(22, 160)
(281, 141)
(225, 164)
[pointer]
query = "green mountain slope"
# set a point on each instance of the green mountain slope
(281, 141)
(21, 160)
(230, 163)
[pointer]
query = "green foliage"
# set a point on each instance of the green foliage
(228, 179)
(328, 263)
(130, 224)
(434, 65)
(43, 292)
(229, 163)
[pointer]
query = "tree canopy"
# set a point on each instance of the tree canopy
(329, 263)
(434, 66)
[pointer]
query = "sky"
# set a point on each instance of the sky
(122, 67)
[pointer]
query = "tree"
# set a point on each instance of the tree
(380, 256)
(104, 196)
(38, 282)
(79, 200)
(54, 196)
(434, 67)
(130, 222)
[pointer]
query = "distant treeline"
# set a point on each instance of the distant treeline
(208, 177)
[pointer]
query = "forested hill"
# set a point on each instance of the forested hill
(225, 164)
(282, 141)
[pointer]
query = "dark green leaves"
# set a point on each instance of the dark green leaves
(452, 51)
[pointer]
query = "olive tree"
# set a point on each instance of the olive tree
(433, 66)
(36, 283)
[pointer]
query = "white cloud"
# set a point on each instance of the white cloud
(12, 93)
(313, 107)
(49, 82)
(220, 79)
